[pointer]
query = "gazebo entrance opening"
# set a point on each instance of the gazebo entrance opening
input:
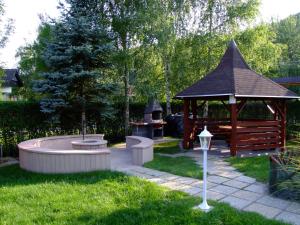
(239, 132)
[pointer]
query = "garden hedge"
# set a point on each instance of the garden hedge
(21, 121)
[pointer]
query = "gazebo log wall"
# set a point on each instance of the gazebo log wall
(258, 135)
(251, 134)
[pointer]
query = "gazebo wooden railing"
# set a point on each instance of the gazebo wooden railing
(240, 134)
(250, 134)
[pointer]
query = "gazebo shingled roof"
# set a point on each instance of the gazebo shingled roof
(233, 76)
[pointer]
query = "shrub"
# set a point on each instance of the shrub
(284, 177)
(21, 121)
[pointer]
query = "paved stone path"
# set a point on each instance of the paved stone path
(8, 161)
(225, 184)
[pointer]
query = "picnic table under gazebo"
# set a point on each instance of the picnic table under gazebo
(234, 83)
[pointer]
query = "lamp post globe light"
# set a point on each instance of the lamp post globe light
(205, 138)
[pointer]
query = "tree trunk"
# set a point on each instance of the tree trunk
(167, 85)
(211, 3)
(126, 82)
(83, 124)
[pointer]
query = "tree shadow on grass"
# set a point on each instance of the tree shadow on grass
(13, 175)
(165, 211)
(177, 211)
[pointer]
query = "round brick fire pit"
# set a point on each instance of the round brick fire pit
(89, 144)
(57, 154)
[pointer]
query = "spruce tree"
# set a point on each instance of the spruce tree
(77, 58)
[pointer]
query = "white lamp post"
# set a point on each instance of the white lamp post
(205, 137)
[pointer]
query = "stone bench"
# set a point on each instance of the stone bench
(141, 148)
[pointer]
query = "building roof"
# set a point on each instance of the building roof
(12, 78)
(295, 80)
(233, 76)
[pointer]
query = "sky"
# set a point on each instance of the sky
(25, 13)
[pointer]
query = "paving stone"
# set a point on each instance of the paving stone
(10, 163)
(134, 173)
(155, 173)
(247, 195)
(257, 188)
(186, 180)
(140, 169)
(123, 169)
(192, 190)
(236, 184)
(199, 183)
(170, 177)
(222, 168)
(236, 202)
(157, 180)
(245, 179)
(217, 179)
(264, 210)
(274, 202)
(145, 176)
(294, 207)
(227, 174)
(172, 185)
(214, 195)
(289, 217)
(224, 189)
(221, 163)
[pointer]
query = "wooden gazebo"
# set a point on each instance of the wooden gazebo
(234, 83)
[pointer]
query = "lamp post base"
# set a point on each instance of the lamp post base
(203, 207)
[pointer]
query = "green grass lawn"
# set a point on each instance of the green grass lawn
(167, 147)
(107, 198)
(256, 167)
(182, 166)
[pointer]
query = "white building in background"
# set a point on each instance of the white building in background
(10, 79)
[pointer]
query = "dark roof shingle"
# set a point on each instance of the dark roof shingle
(12, 78)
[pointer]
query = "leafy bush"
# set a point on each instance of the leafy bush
(285, 175)
(21, 121)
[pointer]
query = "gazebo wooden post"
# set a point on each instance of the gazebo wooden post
(186, 124)
(233, 138)
(194, 109)
(275, 115)
(193, 128)
(283, 125)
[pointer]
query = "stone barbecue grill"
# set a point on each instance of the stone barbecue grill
(152, 125)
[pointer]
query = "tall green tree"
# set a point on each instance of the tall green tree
(32, 62)
(219, 17)
(77, 60)
(128, 19)
(6, 29)
(288, 33)
(260, 49)
(171, 21)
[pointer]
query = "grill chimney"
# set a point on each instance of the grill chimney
(153, 112)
